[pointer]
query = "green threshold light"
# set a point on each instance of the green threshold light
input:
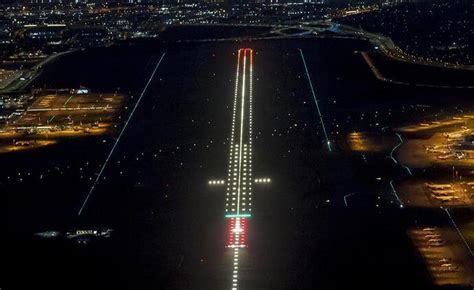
(243, 215)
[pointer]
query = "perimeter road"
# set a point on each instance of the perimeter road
(315, 100)
(120, 135)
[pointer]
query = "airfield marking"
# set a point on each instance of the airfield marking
(120, 135)
(239, 179)
(466, 243)
(316, 101)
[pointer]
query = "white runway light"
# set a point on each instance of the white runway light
(240, 149)
(239, 178)
(239, 181)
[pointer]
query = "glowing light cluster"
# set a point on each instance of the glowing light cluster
(239, 177)
(235, 269)
(216, 182)
(237, 233)
(262, 180)
(245, 215)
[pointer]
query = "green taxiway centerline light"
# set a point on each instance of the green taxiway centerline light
(244, 215)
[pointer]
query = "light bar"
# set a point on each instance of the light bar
(236, 246)
(243, 215)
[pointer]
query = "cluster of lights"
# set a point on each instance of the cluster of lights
(262, 180)
(237, 232)
(239, 185)
(235, 269)
(216, 182)
(239, 178)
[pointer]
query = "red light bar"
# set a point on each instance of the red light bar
(237, 233)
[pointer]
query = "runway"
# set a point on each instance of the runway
(238, 207)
